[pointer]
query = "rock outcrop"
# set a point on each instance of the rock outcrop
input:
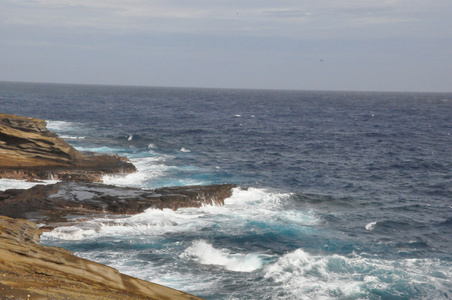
(28, 270)
(28, 150)
(58, 203)
(32, 271)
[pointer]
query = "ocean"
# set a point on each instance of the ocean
(342, 195)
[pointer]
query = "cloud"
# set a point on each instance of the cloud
(228, 42)
(220, 17)
(295, 19)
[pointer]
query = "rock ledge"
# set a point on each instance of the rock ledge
(28, 150)
(56, 204)
(32, 271)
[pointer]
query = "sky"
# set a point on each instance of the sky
(350, 45)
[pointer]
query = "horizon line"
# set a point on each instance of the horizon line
(222, 88)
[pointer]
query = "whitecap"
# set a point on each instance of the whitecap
(318, 277)
(204, 253)
(152, 222)
(235, 216)
(148, 168)
(67, 137)
(184, 150)
(370, 226)
(6, 184)
(60, 126)
(268, 205)
(103, 149)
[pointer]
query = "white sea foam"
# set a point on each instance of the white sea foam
(152, 222)
(148, 168)
(60, 126)
(68, 137)
(244, 206)
(370, 226)
(298, 274)
(204, 253)
(71, 233)
(68, 131)
(262, 204)
(103, 149)
(184, 150)
(324, 277)
(6, 184)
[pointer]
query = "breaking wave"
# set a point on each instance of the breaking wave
(355, 277)
(204, 253)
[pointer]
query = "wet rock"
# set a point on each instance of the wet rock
(56, 203)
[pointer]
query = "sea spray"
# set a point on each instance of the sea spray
(6, 184)
(357, 277)
(205, 253)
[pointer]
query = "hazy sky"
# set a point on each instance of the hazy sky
(382, 45)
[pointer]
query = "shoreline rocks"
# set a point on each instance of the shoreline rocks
(28, 150)
(29, 270)
(58, 203)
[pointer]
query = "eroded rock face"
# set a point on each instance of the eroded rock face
(28, 150)
(32, 271)
(57, 203)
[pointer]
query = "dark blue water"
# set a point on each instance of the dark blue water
(350, 193)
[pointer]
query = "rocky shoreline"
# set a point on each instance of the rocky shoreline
(57, 204)
(28, 150)
(28, 270)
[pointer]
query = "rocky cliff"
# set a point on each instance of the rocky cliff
(32, 271)
(28, 150)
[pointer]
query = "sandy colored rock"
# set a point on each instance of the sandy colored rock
(32, 271)
(28, 150)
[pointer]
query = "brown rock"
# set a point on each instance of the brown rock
(32, 271)
(28, 150)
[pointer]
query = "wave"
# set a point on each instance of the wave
(251, 209)
(148, 168)
(6, 184)
(68, 137)
(370, 226)
(102, 149)
(155, 171)
(204, 253)
(265, 205)
(152, 222)
(68, 131)
(61, 126)
(325, 277)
